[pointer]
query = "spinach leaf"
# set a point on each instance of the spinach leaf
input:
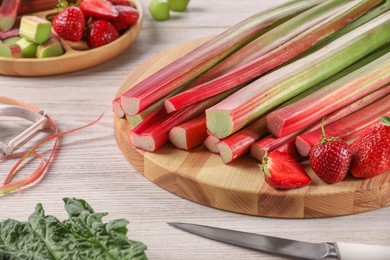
(82, 236)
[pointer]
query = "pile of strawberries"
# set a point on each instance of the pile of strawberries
(99, 22)
(332, 159)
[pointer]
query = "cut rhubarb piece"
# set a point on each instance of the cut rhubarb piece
(281, 171)
(153, 132)
(10, 50)
(346, 128)
(260, 96)
(116, 107)
(9, 34)
(211, 143)
(239, 143)
(51, 48)
(35, 29)
(204, 57)
(8, 14)
(266, 61)
(189, 134)
(12, 40)
(340, 93)
(33, 6)
(29, 49)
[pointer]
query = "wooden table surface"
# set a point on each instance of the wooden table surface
(89, 164)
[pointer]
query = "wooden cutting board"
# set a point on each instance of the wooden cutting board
(75, 57)
(201, 176)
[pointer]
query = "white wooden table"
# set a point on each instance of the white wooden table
(89, 164)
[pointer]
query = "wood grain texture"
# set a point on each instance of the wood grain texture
(74, 59)
(89, 164)
(201, 176)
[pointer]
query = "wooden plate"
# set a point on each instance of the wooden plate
(74, 59)
(201, 177)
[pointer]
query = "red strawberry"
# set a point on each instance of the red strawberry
(99, 9)
(330, 158)
(126, 18)
(120, 2)
(283, 172)
(371, 151)
(69, 24)
(101, 32)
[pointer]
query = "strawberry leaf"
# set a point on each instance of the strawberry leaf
(385, 120)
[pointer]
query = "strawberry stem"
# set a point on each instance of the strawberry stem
(264, 164)
(323, 138)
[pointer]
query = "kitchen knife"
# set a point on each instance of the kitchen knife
(288, 247)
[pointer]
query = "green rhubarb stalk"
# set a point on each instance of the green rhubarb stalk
(274, 38)
(265, 62)
(347, 128)
(260, 96)
(153, 132)
(191, 65)
(340, 93)
(189, 134)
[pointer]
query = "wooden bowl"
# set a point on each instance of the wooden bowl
(74, 58)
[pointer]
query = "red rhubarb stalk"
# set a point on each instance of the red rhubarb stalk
(346, 128)
(211, 143)
(153, 131)
(189, 134)
(116, 107)
(8, 13)
(260, 96)
(340, 93)
(32, 6)
(191, 65)
(271, 60)
(271, 143)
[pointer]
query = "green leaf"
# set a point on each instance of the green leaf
(385, 120)
(82, 236)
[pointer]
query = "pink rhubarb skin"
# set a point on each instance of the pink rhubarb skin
(8, 14)
(271, 142)
(189, 134)
(32, 6)
(211, 143)
(116, 107)
(271, 60)
(191, 65)
(9, 34)
(346, 128)
(153, 131)
(291, 118)
(239, 143)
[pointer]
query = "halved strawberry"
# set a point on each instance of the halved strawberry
(283, 172)
(120, 2)
(99, 9)
(126, 18)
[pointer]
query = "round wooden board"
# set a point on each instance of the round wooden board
(74, 59)
(201, 176)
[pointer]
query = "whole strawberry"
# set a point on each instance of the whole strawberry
(330, 158)
(126, 18)
(101, 32)
(69, 24)
(371, 151)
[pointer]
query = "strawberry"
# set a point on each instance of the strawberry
(371, 151)
(330, 158)
(99, 9)
(283, 172)
(126, 18)
(101, 32)
(69, 24)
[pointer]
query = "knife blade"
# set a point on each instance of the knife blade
(289, 247)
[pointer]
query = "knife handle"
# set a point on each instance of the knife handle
(349, 251)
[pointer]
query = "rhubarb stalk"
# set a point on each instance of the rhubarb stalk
(346, 128)
(340, 93)
(260, 96)
(189, 134)
(211, 143)
(191, 65)
(263, 63)
(32, 6)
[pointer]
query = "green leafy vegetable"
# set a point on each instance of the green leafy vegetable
(82, 236)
